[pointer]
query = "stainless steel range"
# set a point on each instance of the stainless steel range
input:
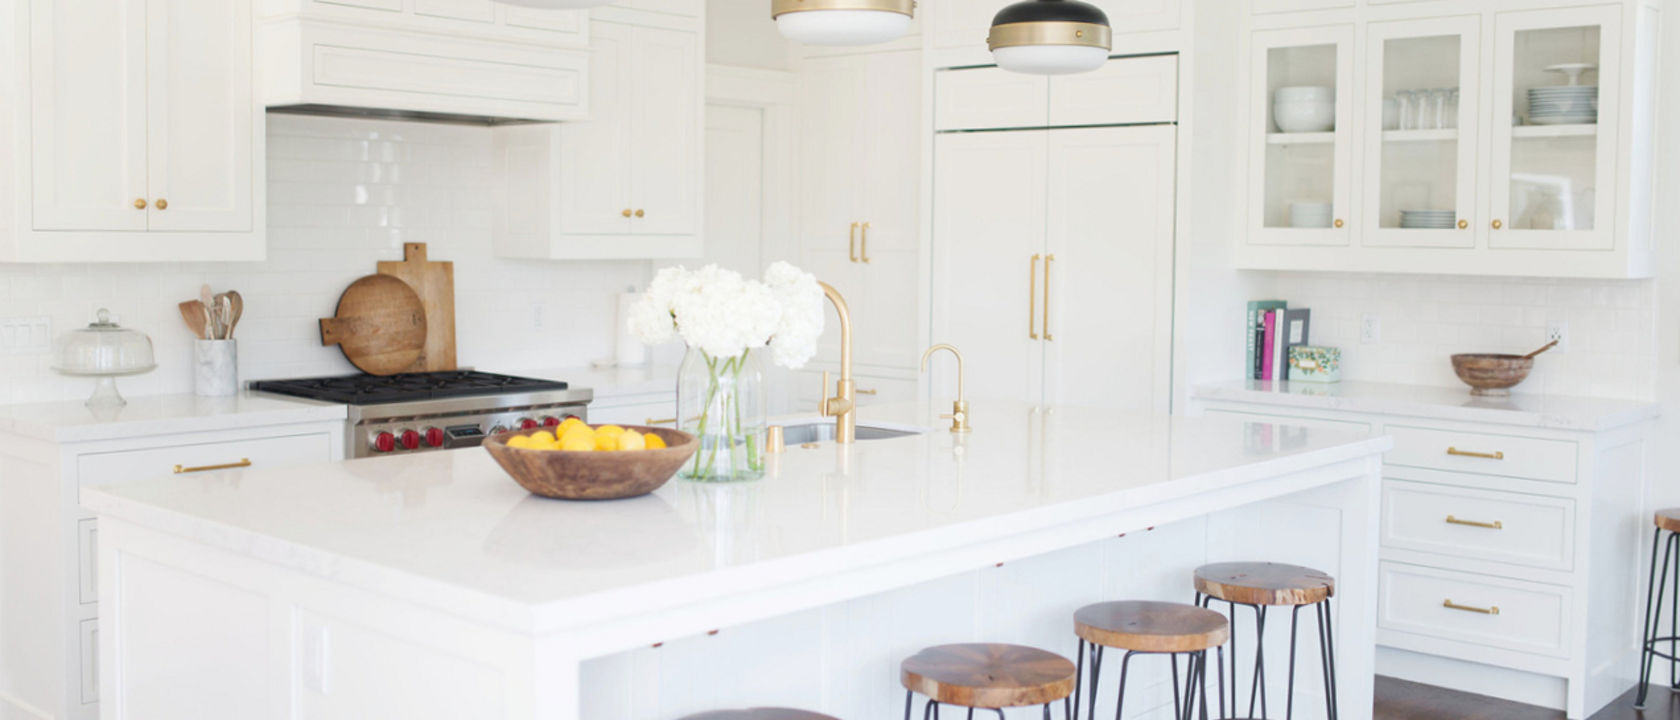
(421, 412)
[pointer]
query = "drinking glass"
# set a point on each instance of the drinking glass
(1452, 108)
(1408, 114)
(1438, 102)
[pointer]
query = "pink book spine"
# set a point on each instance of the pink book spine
(1267, 363)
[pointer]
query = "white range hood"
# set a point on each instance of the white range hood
(481, 63)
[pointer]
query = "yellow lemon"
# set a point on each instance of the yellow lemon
(613, 430)
(568, 424)
(632, 440)
(582, 432)
(653, 442)
(519, 441)
(542, 437)
(606, 442)
(574, 442)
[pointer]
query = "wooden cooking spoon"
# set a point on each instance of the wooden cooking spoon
(1548, 346)
(197, 318)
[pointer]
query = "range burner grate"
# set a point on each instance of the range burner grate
(376, 390)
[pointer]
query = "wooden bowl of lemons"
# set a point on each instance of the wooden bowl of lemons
(579, 462)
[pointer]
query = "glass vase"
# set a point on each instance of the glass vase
(722, 401)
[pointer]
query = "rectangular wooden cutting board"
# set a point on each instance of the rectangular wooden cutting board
(434, 282)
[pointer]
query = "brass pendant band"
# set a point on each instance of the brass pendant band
(902, 7)
(1051, 33)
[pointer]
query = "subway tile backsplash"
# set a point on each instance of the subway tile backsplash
(342, 195)
(1611, 326)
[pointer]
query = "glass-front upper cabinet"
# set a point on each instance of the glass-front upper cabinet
(1422, 114)
(1555, 104)
(1300, 125)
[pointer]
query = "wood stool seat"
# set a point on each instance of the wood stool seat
(760, 714)
(1151, 627)
(1669, 519)
(988, 676)
(1260, 583)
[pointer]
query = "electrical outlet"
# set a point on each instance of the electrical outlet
(1370, 328)
(1558, 330)
(25, 336)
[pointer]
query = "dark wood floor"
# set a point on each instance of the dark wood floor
(1401, 700)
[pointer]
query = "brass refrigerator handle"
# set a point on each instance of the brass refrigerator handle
(1032, 299)
(851, 243)
(1047, 260)
(864, 246)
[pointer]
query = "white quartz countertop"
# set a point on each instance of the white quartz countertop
(453, 529)
(1456, 403)
(73, 421)
(610, 382)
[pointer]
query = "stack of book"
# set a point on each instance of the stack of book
(1273, 328)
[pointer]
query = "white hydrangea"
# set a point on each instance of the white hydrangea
(724, 314)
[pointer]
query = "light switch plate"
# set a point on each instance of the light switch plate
(25, 335)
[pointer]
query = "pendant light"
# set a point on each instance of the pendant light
(556, 4)
(842, 22)
(1050, 37)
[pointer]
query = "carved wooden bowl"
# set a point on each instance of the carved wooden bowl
(594, 475)
(1492, 375)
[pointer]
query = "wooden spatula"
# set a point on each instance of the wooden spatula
(197, 318)
(1548, 346)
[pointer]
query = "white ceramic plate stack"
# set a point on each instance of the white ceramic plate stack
(1571, 104)
(1428, 219)
(1309, 215)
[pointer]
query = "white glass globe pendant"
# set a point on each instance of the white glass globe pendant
(1051, 37)
(557, 4)
(842, 22)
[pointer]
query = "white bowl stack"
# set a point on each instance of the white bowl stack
(1428, 219)
(1563, 105)
(1309, 215)
(1304, 109)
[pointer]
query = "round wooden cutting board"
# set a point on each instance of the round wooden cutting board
(380, 326)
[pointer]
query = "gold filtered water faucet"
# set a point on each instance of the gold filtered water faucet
(959, 409)
(843, 406)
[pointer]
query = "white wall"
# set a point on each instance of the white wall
(343, 194)
(741, 33)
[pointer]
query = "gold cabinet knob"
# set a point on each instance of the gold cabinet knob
(640, 213)
(1497, 224)
(139, 203)
(626, 212)
(1462, 224)
(161, 204)
(1339, 222)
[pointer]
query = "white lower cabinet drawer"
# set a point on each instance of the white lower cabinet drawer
(96, 469)
(1493, 612)
(1483, 453)
(1530, 530)
(662, 413)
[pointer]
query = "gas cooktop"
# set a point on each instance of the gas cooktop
(411, 387)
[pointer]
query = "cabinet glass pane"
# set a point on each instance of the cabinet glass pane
(1420, 121)
(1554, 134)
(1301, 136)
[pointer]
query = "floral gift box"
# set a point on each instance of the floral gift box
(1315, 364)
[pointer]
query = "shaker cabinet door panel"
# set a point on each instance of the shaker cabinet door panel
(664, 157)
(886, 166)
(595, 178)
(203, 116)
(88, 115)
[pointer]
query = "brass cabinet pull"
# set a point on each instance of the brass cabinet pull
(665, 421)
(161, 204)
(183, 470)
(1339, 222)
(861, 391)
(1495, 525)
(628, 212)
(1486, 456)
(864, 246)
(1497, 224)
(1462, 224)
(641, 213)
(1032, 299)
(851, 242)
(1450, 605)
(139, 203)
(1047, 260)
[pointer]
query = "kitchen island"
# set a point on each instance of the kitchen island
(433, 586)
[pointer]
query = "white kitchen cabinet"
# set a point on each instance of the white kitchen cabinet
(51, 623)
(1289, 171)
(1511, 535)
(957, 29)
(627, 182)
(1528, 192)
(141, 134)
(860, 129)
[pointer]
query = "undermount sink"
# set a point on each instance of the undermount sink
(824, 432)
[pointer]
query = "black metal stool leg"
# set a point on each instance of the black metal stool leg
(1653, 613)
(1327, 636)
(1120, 699)
(909, 697)
(1178, 706)
(971, 714)
(1078, 677)
(1219, 662)
(1258, 689)
(1674, 622)
(1294, 632)
(930, 710)
(1096, 673)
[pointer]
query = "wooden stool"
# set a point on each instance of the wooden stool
(1153, 628)
(987, 677)
(1260, 586)
(1666, 521)
(760, 714)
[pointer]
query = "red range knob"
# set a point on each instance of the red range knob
(410, 440)
(527, 424)
(551, 421)
(434, 437)
(384, 442)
